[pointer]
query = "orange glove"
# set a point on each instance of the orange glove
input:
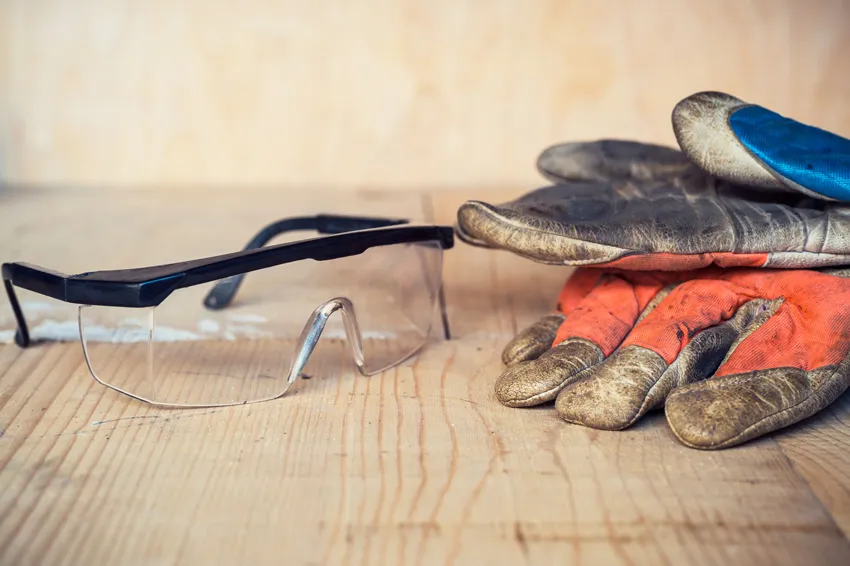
(729, 354)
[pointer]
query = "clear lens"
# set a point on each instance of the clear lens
(182, 353)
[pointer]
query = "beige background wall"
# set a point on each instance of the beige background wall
(383, 93)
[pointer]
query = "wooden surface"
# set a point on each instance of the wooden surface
(418, 465)
(401, 94)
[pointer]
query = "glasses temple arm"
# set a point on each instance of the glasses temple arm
(22, 336)
(444, 317)
(222, 294)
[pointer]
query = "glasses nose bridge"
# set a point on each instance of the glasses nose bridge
(312, 333)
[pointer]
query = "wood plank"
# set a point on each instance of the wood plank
(403, 95)
(419, 464)
(818, 449)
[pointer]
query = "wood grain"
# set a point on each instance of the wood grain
(817, 449)
(417, 465)
(396, 95)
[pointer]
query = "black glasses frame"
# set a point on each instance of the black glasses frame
(149, 286)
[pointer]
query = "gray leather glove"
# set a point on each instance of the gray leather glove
(748, 188)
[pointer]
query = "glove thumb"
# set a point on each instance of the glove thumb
(749, 144)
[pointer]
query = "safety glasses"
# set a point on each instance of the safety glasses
(204, 333)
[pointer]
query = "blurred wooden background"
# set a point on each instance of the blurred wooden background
(389, 94)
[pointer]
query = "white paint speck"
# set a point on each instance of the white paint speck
(255, 318)
(247, 331)
(133, 330)
(55, 331)
(165, 334)
(208, 326)
(338, 333)
(68, 331)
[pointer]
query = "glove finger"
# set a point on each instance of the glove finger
(726, 411)
(591, 331)
(748, 144)
(533, 341)
(530, 383)
(674, 225)
(610, 160)
(678, 341)
(787, 370)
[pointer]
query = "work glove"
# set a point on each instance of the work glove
(729, 354)
(747, 187)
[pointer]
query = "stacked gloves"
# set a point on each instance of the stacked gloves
(712, 281)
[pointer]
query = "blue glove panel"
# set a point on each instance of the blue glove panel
(813, 158)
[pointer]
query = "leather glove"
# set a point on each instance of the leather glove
(748, 188)
(729, 354)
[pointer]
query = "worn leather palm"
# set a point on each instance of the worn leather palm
(748, 188)
(730, 354)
